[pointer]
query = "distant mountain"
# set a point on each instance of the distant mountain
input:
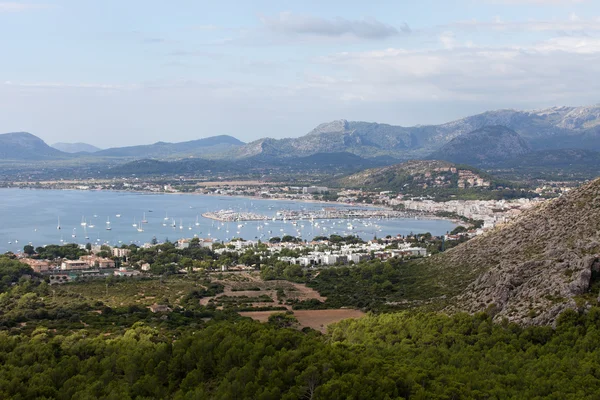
(418, 176)
(76, 147)
(552, 128)
(201, 147)
(559, 158)
(533, 268)
(25, 146)
(484, 146)
(333, 163)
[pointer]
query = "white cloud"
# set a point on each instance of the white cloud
(541, 72)
(539, 2)
(20, 7)
(573, 24)
(367, 28)
(447, 39)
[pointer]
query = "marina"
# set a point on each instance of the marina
(42, 217)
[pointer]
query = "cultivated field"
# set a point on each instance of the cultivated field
(315, 319)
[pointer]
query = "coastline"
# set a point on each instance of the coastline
(308, 201)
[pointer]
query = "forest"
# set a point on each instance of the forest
(94, 340)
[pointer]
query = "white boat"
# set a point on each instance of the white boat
(108, 228)
(181, 224)
(73, 234)
(197, 223)
(166, 216)
(144, 221)
(118, 215)
(83, 223)
(134, 224)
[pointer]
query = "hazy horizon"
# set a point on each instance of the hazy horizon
(115, 74)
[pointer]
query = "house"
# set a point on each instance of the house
(125, 272)
(74, 264)
(156, 308)
(116, 252)
(37, 265)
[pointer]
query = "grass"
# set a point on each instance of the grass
(119, 293)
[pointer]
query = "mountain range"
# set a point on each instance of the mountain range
(483, 140)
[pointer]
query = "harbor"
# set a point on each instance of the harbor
(117, 218)
(298, 215)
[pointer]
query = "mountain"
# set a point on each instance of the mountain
(551, 128)
(25, 146)
(417, 176)
(531, 269)
(333, 163)
(484, 146)
(75, 147)
(201, 147)
(557, 158)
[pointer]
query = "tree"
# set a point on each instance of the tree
(28, 249)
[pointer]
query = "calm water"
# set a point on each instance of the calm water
(31, 216)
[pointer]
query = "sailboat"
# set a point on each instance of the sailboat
(58, 226)
(166, 216)
(108, 228)
(144, 221)
(140, 228)
(85, 232)
(197, 222)
(134, 224)
(73, 234)
(181, 224)
(83, 223)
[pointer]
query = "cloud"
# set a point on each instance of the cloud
(556, 70)
(20, 7)
(539, 2)
(573, 24)
(367, 28)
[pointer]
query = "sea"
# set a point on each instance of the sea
(30, 216)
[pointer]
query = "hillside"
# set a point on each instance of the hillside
(201, 147)
(25, 146)
(75, 147)
(532, 268)
(485, 146)
(415, 175)
(334, 162)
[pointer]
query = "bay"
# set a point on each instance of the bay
(29, 216)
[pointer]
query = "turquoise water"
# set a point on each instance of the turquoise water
(31, 216)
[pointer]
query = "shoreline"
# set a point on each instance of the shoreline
(455, 221)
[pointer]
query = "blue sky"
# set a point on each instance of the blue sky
(115, 73)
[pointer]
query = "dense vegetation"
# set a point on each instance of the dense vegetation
(419, 356)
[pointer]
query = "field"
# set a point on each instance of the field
(251, 291)
(315, 319)
(119, 293)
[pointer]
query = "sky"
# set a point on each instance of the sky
(123, 72)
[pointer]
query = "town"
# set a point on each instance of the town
(72, 262)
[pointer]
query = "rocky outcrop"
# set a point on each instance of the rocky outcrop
(533, 268)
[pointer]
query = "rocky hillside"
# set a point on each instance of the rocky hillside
(416, 175)
(25, 146)
(533, 268)
(485, 146)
